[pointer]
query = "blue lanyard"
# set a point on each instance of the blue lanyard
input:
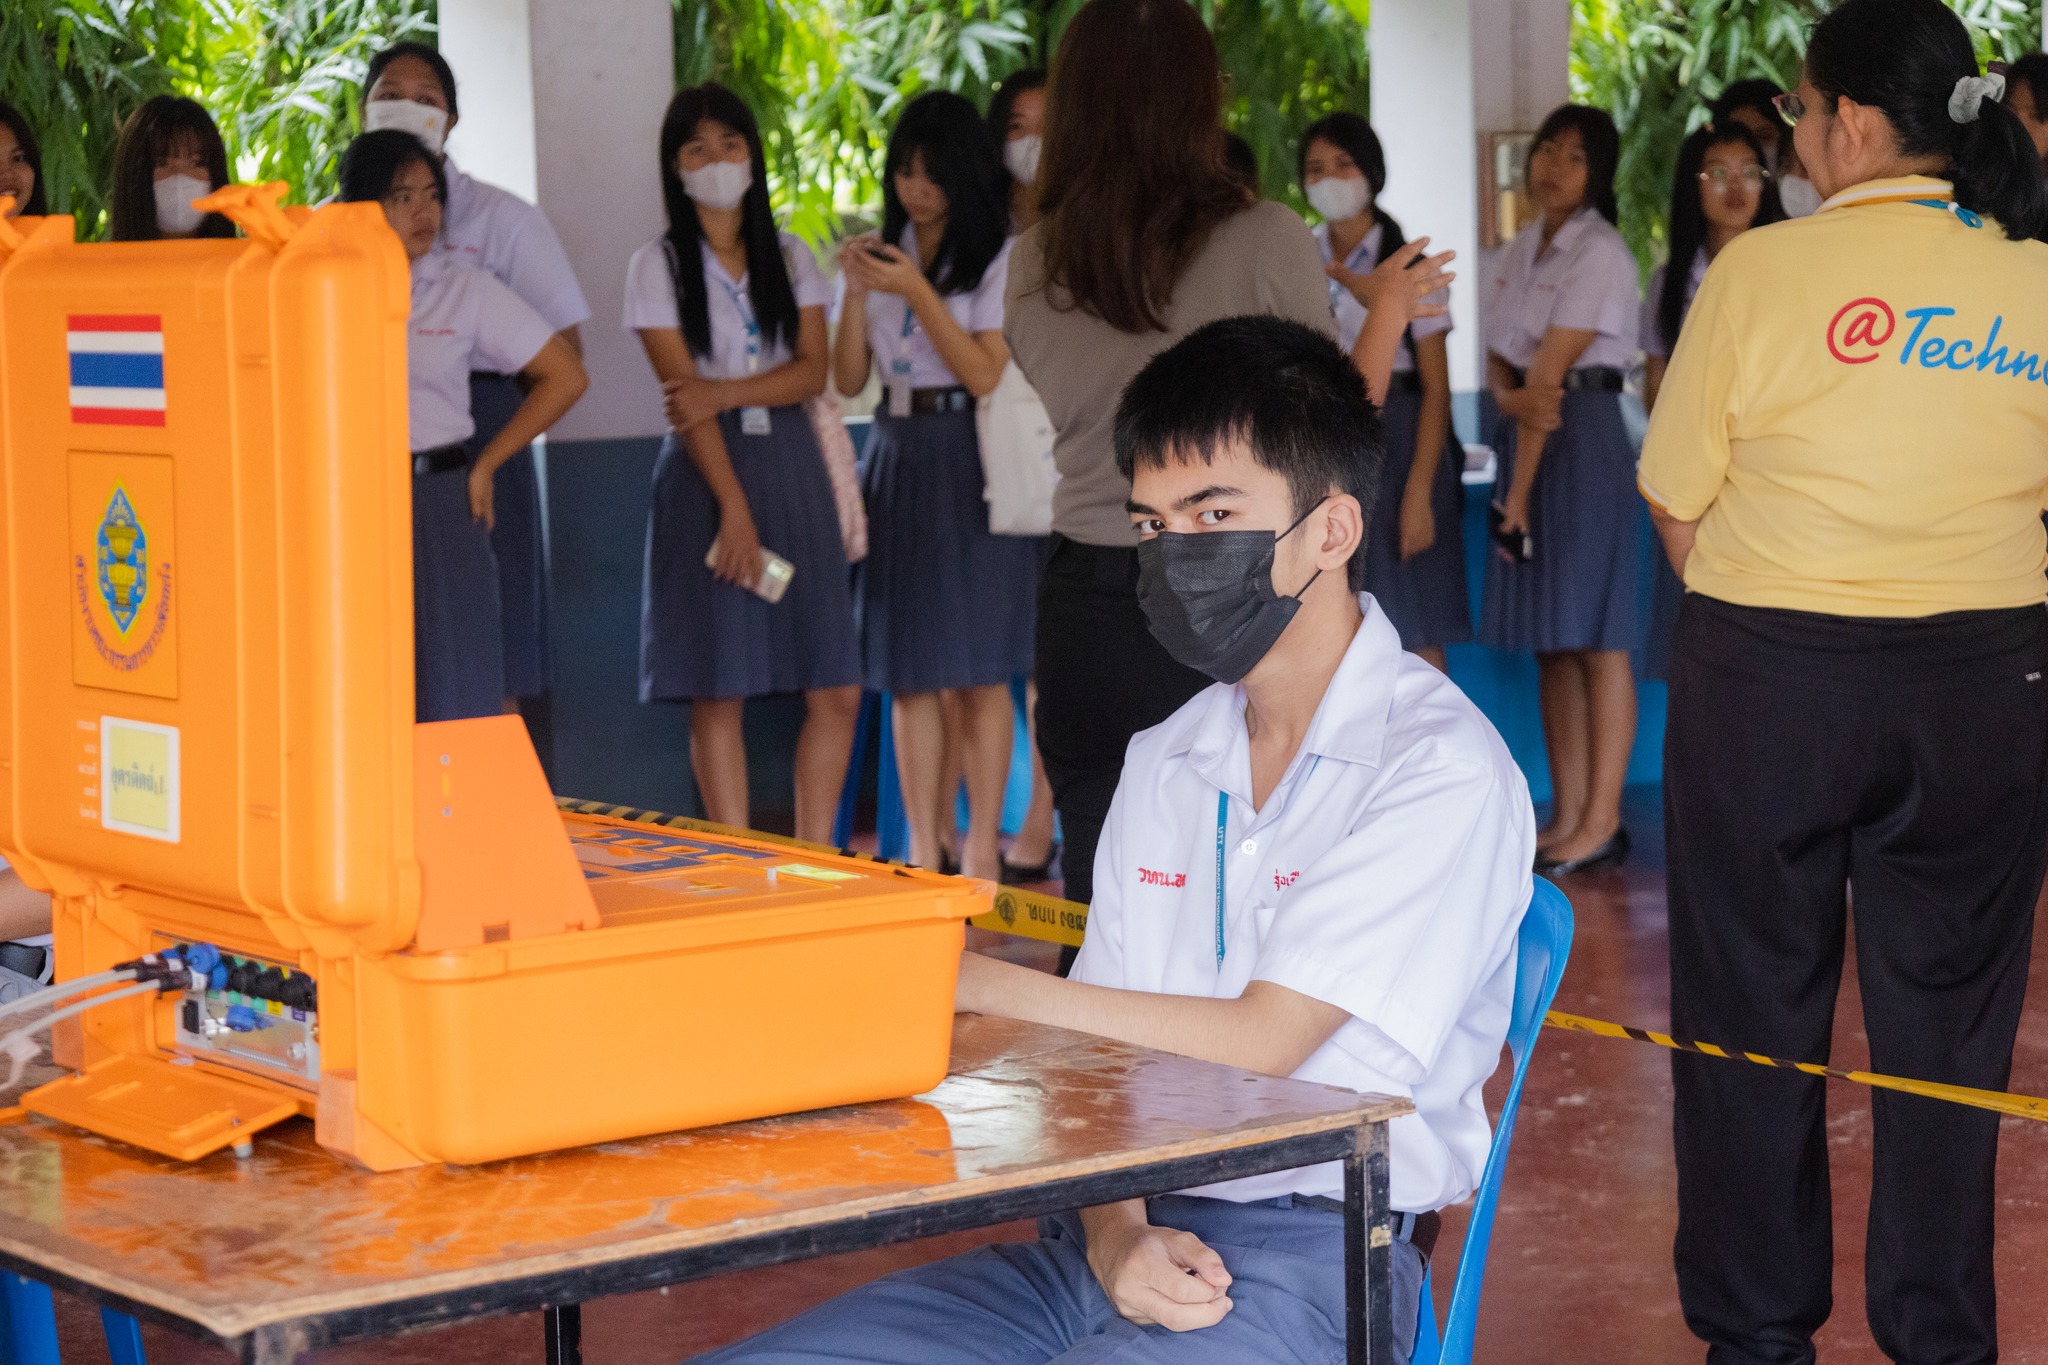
(1222, 821)
(1963, 215)
(745, 308)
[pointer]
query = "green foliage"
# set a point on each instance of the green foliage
(1657, 64)
(827, 77)
(280, 77)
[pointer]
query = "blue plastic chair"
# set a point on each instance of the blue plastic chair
(1542, 945)
(28, 1326)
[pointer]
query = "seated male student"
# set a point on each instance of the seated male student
(1374, 843)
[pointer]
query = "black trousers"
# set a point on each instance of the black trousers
(1101, 679)
(1811, 761)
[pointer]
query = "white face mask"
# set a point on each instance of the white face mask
(1800, 198)
(174, 196)
(1020, 154)
(423, 121)
(720, 185)
(1338, 197)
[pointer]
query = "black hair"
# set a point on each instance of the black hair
(1688, 222)
(38, 202)
(1288, 392)
(1242, 161)
(1004, 100)
(149, 134)
(1355, 138)
(1903, 58)
(964, 161)
(1598, 135)
(374, 160)
(1757, 94)
(439, 64)
(768, 286)
(2032, 72)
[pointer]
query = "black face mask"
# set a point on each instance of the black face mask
(1209, 598)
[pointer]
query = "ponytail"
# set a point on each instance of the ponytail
(1998, 173)
(1906, 58)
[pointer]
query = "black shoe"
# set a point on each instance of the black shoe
(949, 866)
(1610, 854)
(1014, 874)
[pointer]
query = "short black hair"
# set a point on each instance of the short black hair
(1602, 144)
(434, 60)
(153, 131)
(1288, 392)
(374, 160)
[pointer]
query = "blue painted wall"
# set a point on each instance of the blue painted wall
(609, 746)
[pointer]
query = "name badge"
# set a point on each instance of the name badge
(754, 422)
(899, 387)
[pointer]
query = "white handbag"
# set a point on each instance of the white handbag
(1016, 456)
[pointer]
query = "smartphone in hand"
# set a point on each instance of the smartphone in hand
(1518, 544)
(774, 577)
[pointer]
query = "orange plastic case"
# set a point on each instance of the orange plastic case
(206, 683)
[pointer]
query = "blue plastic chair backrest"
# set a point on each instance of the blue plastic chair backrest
(1541, 947)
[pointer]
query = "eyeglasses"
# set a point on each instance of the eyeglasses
(1789, 106)
(1722, 179)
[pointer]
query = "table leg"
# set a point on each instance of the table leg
(30, 1321)
(124, 1338)
(562, 1326)
(1368, 1252)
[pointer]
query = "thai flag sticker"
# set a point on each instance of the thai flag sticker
(117, 369)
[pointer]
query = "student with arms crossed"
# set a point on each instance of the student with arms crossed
(1377, 847)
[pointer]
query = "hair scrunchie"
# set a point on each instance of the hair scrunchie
(1966, 101)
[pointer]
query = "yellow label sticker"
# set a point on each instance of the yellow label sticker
(139, 778)
(817, 874)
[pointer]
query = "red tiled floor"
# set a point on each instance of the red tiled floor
(1581, 1262)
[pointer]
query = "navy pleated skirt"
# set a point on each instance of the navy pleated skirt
(457, 651)
(701, 639)
(516, 538)
(1581, 591)
(943, 603)
(1425, 597)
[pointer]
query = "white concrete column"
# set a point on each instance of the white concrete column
(561, 104)
(1445, 75)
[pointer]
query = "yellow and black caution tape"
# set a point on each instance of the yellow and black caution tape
(1031, 914)
(2019, 1106)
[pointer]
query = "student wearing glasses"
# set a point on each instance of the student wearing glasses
(1846, 466)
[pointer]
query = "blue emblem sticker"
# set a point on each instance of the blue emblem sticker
(123, 560)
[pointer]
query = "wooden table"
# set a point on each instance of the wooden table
(290, 1249)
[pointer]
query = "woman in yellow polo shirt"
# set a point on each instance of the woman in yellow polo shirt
(1846, 465)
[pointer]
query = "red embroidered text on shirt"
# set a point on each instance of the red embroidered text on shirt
(1147, 877)
(1283, 880)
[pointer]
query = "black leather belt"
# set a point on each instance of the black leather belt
(440, 459)
(952, 398)
(1404, 381)
(1599, 378)
(1419, 1230)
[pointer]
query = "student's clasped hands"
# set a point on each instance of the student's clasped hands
(873, 266)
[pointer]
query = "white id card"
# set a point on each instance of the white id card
(755, 422)
(899, 387)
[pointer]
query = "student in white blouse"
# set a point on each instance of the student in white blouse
(946, 607)
(462, 320)
(1561, 338)
(410, 88)
(732, 314)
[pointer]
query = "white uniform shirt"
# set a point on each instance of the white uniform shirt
(1652, 334)
(978, 310)
(651, 303)
(502, 233)
(1351, 313)
(1586, 281)
(462, 320)
(1386, 875)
